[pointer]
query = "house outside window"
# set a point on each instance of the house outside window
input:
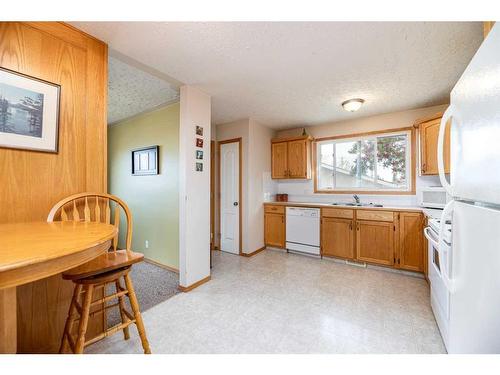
(377, 163)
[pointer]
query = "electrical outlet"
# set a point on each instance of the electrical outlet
(146, 243)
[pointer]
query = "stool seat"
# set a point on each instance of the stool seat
(103, 264)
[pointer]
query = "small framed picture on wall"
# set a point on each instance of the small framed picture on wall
(199, 131)
(199, 167)
(199, 154)
(199, 142)
(145, 161)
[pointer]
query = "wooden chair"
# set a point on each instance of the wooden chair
(106, 269)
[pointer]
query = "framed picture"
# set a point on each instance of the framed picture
(199, 167)
(199, 142)
(199, 154)
(145, 161)
(199, 131)
(29, 112)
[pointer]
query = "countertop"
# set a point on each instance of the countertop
(319, 205)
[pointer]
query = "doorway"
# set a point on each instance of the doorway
(230, 195)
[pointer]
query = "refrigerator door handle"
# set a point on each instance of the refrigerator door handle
(440, 148)
(443, 250)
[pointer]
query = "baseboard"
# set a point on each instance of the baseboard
(253, 252)
(195, 285)
(169, 268)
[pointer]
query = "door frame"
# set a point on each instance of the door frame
(213, 240)
(240, 194)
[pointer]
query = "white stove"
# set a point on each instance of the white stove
(438, 263)
(435, 225)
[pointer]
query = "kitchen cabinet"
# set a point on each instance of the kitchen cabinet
(291, 158)
(279, 160)
(487, 26)
(274, 226)
(337, 237)
(375, 242)
(428, 139)
(410, 255)
(377, 236)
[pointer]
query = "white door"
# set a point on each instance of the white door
(229, 196)
(475, 280)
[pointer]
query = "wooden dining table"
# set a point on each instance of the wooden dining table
(36, 250)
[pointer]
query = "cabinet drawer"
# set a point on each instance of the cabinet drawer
(374, 215)
(274, 209)
(342, 213)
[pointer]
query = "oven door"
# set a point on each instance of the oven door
(440, 296)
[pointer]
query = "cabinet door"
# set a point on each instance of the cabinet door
(297, 159)
(375, 242)
(429, 132)
(279, 160)
(337, 238)
(411, 255)
(274, 230)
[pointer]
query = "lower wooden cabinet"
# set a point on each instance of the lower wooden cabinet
(274, 229)
(383, 237)
(375, 242)
(337, 237)
(411, 254)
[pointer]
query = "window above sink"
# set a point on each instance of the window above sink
(374, 163)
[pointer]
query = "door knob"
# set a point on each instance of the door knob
(235, 203)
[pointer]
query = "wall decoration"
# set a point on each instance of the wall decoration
(29, 112)
(199, 142)
(199, 130)
(199, 167)
(199, 154)
(145, 161)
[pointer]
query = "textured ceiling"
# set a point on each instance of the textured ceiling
(287, 74)
(132, 91)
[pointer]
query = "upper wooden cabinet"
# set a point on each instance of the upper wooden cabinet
(487, 26)
(279, 159)
(291, 158)
(428, 139)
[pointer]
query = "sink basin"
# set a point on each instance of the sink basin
(356, 204)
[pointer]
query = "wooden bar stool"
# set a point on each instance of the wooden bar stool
(108, 268)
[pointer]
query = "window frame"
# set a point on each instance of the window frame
(411, 155)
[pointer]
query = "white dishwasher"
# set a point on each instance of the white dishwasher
(302, 229)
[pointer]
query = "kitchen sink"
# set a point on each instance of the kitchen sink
(357, 204)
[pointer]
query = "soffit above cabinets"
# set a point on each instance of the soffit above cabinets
(132, 91)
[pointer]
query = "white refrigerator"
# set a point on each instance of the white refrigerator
(471, 267)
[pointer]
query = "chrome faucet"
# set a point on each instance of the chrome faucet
(356, 198)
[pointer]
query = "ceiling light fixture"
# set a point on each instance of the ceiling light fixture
(352, 105)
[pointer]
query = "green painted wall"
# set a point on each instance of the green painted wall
(153, 200)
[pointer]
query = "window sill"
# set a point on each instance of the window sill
(369, 192)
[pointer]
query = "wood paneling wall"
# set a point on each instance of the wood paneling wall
(31, 182)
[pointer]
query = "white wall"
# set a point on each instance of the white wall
(259, 182)
(303, 190)
(194, 188)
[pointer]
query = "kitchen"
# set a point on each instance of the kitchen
(441, 235)
(322, 205)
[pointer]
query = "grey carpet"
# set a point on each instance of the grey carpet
(152, 284)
